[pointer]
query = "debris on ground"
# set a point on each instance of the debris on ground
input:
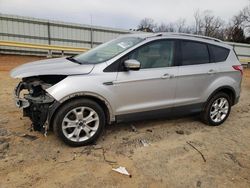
(89, 149)
(122, 170)
(198, 184)
(74, 158)
(3, 132)
(179, 132)
(95, 147)
(133, 128)
(4, 146)
(4, 142)
(105, 159)
(144, 142)
(149, 130)
(4, 139)
(4, 121)
(234, 159)
(29, 137)
(197, 151)
(125, 138)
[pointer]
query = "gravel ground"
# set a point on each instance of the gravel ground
(28, 159)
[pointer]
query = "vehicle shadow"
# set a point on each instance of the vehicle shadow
(148, 124)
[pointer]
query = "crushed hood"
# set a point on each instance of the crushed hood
(56, 66)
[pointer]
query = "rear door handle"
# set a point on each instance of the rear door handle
(167, 76)
(211, 71)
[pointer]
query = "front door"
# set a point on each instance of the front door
(153, 86)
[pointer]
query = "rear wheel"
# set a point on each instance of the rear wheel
(79, 122)
(217, 109)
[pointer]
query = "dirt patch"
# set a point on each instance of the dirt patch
(156, 153)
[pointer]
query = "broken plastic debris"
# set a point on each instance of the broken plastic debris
(133, 128)
(144, 143)
(30, 137)
(121, 170)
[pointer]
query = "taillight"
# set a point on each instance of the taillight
(238, 68)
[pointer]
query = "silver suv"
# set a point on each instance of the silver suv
(132, 77)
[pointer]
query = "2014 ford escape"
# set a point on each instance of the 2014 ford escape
(137, 75)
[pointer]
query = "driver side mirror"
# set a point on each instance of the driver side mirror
(132, 64)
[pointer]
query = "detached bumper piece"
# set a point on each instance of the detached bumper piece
(35, 103)
(20, 102)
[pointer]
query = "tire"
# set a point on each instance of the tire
(214, 109)
(79, 122)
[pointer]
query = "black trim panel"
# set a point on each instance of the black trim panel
(162, 113)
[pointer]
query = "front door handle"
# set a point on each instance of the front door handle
(166, 76)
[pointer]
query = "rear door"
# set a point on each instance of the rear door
(196, 72)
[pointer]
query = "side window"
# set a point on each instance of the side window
(194, 53)
(156, 54)
(218, 53)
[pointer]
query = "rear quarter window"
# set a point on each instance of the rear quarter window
(218, 54)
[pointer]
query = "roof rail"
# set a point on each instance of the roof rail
(154, 35)
(190, 35)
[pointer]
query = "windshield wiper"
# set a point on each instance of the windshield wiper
(71, 58)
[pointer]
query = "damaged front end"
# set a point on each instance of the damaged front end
(31, 96)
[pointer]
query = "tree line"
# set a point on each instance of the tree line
(237, 29)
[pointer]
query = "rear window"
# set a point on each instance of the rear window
(194, 53)
(218, 53)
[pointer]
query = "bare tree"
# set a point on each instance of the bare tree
(212, 25)
(198, 22)
(147, 25)
(244, 17)
(205, 24)
(209, 25)
(180, 25)
(238, 23)
(233, 26)
(165, 28)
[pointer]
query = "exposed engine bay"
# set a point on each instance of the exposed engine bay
(31, 96)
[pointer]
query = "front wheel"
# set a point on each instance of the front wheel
(79, 122)
(217, 109)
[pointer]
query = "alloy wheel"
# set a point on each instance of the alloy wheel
(80, 124)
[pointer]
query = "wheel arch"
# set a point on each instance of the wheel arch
(225, 89)
(98, 99)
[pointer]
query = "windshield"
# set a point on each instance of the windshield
(107, 50)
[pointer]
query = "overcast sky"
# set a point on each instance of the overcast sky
(120, 14)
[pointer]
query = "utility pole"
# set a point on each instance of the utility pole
(91, 32)
(49, 39)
